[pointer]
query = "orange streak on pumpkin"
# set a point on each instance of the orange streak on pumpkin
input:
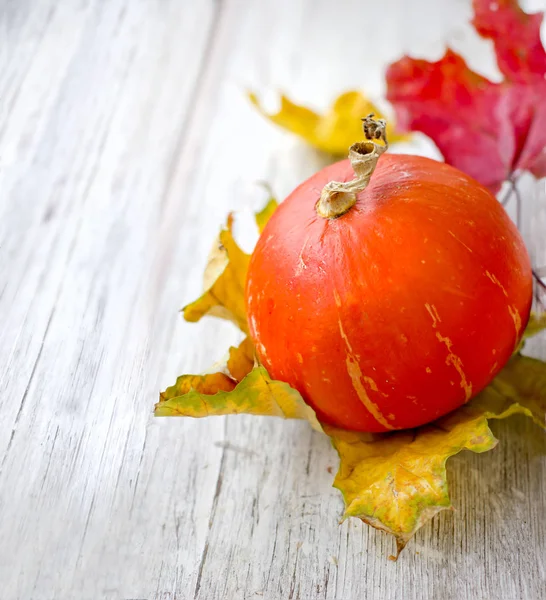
(452, 358)
(301, 264)
(434, 314)
(454, 236)
(357, 378)
(494, 279)
(373, 386)
(511, 309)
(457, 363)
(516, 318)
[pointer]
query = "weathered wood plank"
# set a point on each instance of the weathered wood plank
(98, 121)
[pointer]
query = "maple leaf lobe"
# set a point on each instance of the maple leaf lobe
(489, 130)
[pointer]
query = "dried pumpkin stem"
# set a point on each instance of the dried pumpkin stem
(338, 197)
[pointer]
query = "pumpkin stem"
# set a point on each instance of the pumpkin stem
(338, 197)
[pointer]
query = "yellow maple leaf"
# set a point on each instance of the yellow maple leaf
(256, 394)
(519, 388)
(238, 384)
(537, 323)
(397, 482)
(225, 277)
(264, 215)
(241, 360)
(336, 130)
(222, 377)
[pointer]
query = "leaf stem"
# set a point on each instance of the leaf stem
(509, 192)
(540, 287)
(518, 206)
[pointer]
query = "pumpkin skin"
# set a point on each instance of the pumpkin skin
(398, 311)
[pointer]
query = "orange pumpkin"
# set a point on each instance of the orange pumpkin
(392, 299)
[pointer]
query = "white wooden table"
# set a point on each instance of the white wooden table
(125, 137)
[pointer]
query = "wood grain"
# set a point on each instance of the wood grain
(125, 138)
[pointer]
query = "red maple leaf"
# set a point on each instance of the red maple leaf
(490, 130)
